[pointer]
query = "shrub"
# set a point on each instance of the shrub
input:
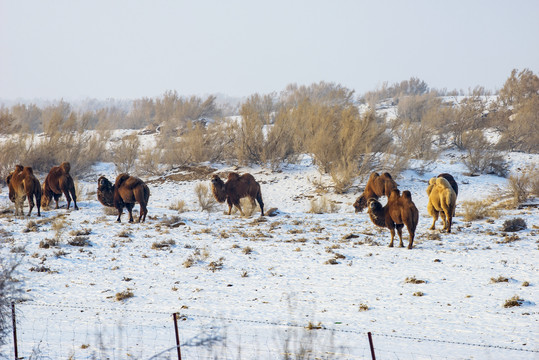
(499, 279)
(10, 291)
(163, 245)
(477, 210)
(178, 205)
(124, 295)
(205, 197)
(413, 280)
(519, 188)
(482, 158)
(514, 301)
(125, 154)
(323, 205)
(513, 225)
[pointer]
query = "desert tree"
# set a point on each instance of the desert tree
(125, 153)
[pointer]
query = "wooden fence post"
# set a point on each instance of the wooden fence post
(175, 317)
(372, 346)
(14, 330)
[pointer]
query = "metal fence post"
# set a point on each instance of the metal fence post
(175, 317)
(14, 330)
(372, 346)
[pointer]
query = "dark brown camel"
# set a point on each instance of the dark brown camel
(377, 186)
(59, 181)
(23, 184)
(400, 210)
(236, 188)
(126, 192)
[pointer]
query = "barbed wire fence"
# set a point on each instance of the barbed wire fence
(47, 331)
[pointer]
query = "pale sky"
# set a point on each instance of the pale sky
(74, 49)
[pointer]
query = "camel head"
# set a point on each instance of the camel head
(360, 204)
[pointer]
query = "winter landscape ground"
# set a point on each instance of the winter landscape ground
(293, 285)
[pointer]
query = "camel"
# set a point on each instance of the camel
(236, 188)
(442, 201)
(400, 210)
(126, 191)
(377, 186)
(59, 181)
(23, 184)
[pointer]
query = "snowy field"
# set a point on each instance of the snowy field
(298, 284)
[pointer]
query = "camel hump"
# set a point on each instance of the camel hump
(432, 181)
(233, 176)
(18, 168)
(443, 182)
(120, 179)
(66, 167)
(407, 195)
(387, 175)
(28, 170)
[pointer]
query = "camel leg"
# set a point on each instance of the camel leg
(130, 210)
(434, 219)
(412, 235)
(449, 221)
(30, 203)
(261, 204)
(120, 211)
(444, 219)
(68, 198)
(143, 212)
(229, 206)
(56, 198)
(74, 196)
(238, 206)
(399, 232)
(38, 205)
(392, 236)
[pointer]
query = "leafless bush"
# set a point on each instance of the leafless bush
(178, 205)
(124, 154)
(11, 152)
(477, 210)
(516, 224)
(9, 292)
(149, 161)
(482, 158)
(323, 205)
(205, 198)
(519, 188)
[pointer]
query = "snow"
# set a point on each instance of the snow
(257, 283)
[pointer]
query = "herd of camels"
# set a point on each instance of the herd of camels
(128, 190)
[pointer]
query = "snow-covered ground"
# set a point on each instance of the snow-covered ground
(249, 287)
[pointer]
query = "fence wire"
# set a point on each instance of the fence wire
(84, 332)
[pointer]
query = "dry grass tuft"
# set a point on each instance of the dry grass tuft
(514, 301)
(413, 280)
(205, 198)
(124, 295)
(323, 205)
(179, 206)
(163, 245)
(477, 210)
(79, 241)
(513, 225)
(499, 279)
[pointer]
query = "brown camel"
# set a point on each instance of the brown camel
(23, 184)
(126, 191)
(377, 186)
(400, 210)
(59, 181)
(236, 188)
